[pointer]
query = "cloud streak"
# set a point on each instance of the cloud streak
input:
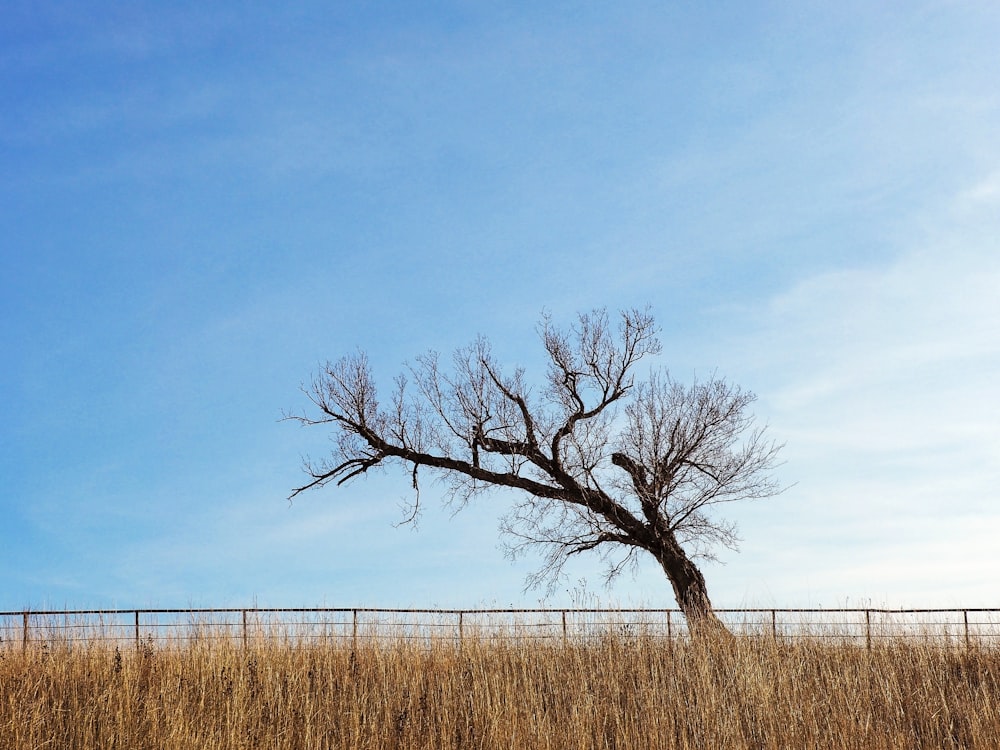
(883, 381)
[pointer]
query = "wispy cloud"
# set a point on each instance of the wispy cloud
(883, 381)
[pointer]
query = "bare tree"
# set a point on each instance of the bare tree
(601, 462)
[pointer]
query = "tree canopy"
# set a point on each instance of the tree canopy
(597, 460)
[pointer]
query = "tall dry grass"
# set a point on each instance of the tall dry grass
(613, 693)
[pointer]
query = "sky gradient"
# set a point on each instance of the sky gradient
(202, 202)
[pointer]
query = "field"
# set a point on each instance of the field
(612, 692)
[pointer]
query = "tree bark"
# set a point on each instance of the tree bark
(690, 590)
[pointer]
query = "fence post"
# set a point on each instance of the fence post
(354, 630)
(965, 618)
(774, 624)
(245, 628)
(137, 641)
(24, 640)
(868, 629)
(564, 627)
(461, 634)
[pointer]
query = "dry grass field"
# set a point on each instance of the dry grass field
(612, 693)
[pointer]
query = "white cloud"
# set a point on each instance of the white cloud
(884, 382)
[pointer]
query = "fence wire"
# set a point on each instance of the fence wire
(163, 628)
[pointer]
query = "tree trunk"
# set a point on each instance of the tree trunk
(690, 590)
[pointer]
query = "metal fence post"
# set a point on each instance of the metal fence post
(868, 629)
(565, 635)
(965, 619)
(244, 628)
(774, 624)
(354, 630)
(137, 641)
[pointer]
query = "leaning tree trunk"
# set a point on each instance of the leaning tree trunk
(690, 590)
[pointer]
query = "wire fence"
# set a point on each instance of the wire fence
(164, 628)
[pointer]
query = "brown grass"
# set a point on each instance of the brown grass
(614, 693)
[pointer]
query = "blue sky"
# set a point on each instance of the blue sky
(202, 202)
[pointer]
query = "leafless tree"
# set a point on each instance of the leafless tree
(601, 462)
